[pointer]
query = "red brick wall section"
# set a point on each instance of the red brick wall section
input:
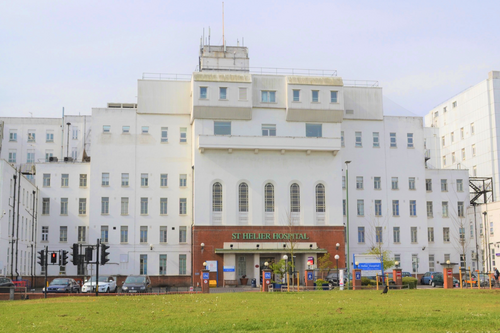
(214, 237)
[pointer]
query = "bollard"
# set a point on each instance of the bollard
(11, 296)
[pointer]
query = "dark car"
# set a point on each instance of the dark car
(5, 285)
(407, 274)
(136, 284)
(63, 285)
(438, 280)
(426, 279)
(333, 279)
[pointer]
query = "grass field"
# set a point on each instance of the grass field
(323, 311)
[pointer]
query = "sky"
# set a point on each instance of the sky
(84, 54)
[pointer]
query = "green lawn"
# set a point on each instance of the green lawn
(322, 311)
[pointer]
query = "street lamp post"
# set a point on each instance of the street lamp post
(338, 277)
(347, 220)
(287, 278)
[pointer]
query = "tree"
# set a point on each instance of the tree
(324, 264)
(385, 256)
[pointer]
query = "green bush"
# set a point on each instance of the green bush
(319, 283)
(411, 282)
(365, 281)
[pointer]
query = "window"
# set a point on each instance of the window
(314, 130)
(182, 180)
(462, 133)
(444, 208)
(145, 129)
(144, 206)
(144, 180)
(444, 160)
(443, 141)
(163, 264)
(428, 185)
(143, 234)
(45, 206)
(359, 142)
(462, 261)
(296, 95)
(360, 207)
(74, 153)
(222, 128)
(268, 96)
(164, 134)
(143, 264)
(359, 183)
(182, 264)
(46, 180)
(106, 128)
(376, 140)
(217, 197)
(444, 185)
(431, 263)
(411, 183)
(49, 136)
(243, 197)
(394, 183)
(474, 170)
(343, 207)
(64, 206)
(203, 92)
(396, 235)
(48, 154)
(124, 206)
(241, 266)
(30, 156)
(460, 185)
(164, 180)
(361, 234)
(461, 232)
(342, 142)
(163, 206)
(269, 197)
(460, 209)
(473, 148)
(104, 233)
(124, 234)
(471, 230)
(83, 180)
(125, 179)
(392, 137)
(182, 234)
(63, 234)
(472, 129)
(378, 207)
(13, 135)
(12, 156)
(376, 183)
(64, 180)
(452, 137)
(315, 96)
(395, 207)
(125, 129)
(31, 135)
(45, 234)
(82, 206)
(182, 206)
(446, 257)
(491, 229)
(463, 154)
(409, 140)
(223, 93)
(333, 97)
(104, 205)
(183, 137)
(453, 159)
(82, 234)
(242, 94)
(429, 209)
(446, 234)
(343, 181)
(430, 234)
(269, 130)
(294, 198)
(378, 235)
(105, 179)
(413, 232)
(163, 234)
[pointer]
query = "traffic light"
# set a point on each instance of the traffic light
(63, 258)
(75, 254)
(88, 254)
(53, 258)
(41, 258)
(104, 254)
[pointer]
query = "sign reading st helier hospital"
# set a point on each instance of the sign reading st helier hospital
(273, 236)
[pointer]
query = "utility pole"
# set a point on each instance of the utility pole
(13, 228)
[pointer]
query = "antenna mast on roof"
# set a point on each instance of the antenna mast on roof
(223, 40)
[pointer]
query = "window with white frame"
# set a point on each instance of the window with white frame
(463, 154)
(460, 185)
(222, 128)
(183, 132)
(472, 129)
(359, 182)
(452, 137)
(163, 234)
(125, 179)
(163, 264)
(444, 160)
(223, 93)
(413, 233)
(396, 234)
(268, 96)
(105, 179)
(243, 197)
(144, 180)
(315, 96)
(31, 135)
(106, 128)
(446, 234)
(49, 136)
(144, 206)
(444, 208)
(125, 129)
(30, 156)
(182, 206)
(12, 156)
(361, 234)
(473, 148)
(333, 96)
(203, 92)
(164, 134)
(411, 183)
(376, 183)
(378, 207)
(74, 132)
(124, 206)
(360, 207)
(45, 206)
(163, 180)
(453, 158)
(143, 234)
(64, 206)
(82, 234)
(64, 180)
(182, 234)
(430, 212)
(320, 198)
(48, 154)
(83, 180)
(269, 197)
(443, 141)
(163, 206)
(430, 234)
(104, 233)
(474, 170)
(359, 142)
(431, 263)
(428, 185)
(296, 95)
(182, 264)
(183, 180)
(82, 206)
(392, 137)
(63, 234)
(74, 153)
(409, 140)
(124, 234)
(104, 205)
(143, 264)
(461, 233)
(378, 235)
(460, 209)
(294, 198)
(268, 129)
(45, 233)
(13, 135)
(145, 129)
(395, 207)
(444, 185)
(46, 180)
(376, 140)
(217, 197)
(394, 183)
(314, 130)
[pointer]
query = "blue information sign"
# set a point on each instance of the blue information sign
(205, 276)
(358, 275)
(267, 275)
(371, 266)
(309, 276)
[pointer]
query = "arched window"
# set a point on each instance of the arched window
(269, 197)
(217, 197)
(243, 197)
(320, 198)
(294, 198)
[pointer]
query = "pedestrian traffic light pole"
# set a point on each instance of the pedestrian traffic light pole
(97, 267)
(43, 262)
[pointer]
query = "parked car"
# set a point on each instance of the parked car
(438, 280)
(333, 279)
(106, 285)
(407, 274)
(485, 281)
(5, 285)
(63, 285)
(136, 284)
(426, 279)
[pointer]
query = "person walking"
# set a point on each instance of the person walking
(497, 274)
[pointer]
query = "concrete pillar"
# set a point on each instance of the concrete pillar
(356, 283)
(266, 279)
(309, 277)
(397, 276)
(447, 278)
(205, 277)
(256, 270)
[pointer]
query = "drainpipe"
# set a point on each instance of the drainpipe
(13, 228)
